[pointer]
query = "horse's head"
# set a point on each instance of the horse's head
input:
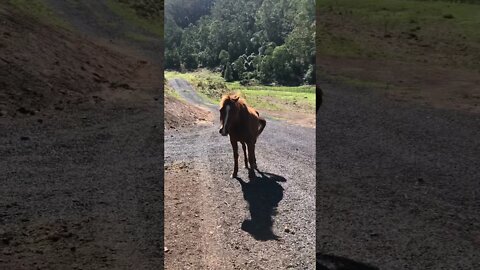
(228, 112)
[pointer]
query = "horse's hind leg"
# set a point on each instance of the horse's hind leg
(235, 158)
(244, 147)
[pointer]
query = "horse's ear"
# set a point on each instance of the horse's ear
(235, 98)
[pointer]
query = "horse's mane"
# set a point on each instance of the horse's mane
(240, 102)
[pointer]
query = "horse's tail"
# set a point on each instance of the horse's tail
(263, 123)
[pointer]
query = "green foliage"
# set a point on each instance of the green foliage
(172, 59)
(272, 41)
(309, 77)
(228, 74)
(173, 33)
(186, 12)
(275, 20)
(224, 57)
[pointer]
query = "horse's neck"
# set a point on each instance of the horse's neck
(243, 110)
(242, 113)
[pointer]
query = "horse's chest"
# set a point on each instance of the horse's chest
(241, 133)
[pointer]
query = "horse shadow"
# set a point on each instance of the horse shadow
(262, 193)
(332, 262)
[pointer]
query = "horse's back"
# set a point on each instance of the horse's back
(249, 126)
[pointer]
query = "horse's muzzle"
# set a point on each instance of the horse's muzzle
(224, 133)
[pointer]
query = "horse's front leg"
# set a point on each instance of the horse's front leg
(235, 157)
(244, 147)
(251, 156)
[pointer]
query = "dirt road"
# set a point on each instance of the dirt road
(214, 222)
(398, 184)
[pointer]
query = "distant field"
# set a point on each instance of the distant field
(275, 98)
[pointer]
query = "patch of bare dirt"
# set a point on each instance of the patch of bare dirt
(294, 118)
(179, 114)
(43, 69)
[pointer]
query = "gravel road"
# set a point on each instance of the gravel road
(266, 222)
(84, 186)
(397, 184)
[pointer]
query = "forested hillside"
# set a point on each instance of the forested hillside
(266, 41)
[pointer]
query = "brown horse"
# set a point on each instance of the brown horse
(244, 125)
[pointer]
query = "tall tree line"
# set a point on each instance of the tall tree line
(269, 41)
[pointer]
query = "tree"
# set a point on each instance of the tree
(224, 57)
(228, 74)
(172, 59)
(267, 40)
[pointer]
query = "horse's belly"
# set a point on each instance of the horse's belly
(242, 136)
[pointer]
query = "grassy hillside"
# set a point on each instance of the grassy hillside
(411, 50)
(38, 10)
(44, 69)
(145, 14)
(145, 8)
(436, 32)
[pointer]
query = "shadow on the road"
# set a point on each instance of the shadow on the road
(332, 262)
(263, 194)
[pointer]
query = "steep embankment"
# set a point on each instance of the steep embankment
(82, 147)
(45, 68)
